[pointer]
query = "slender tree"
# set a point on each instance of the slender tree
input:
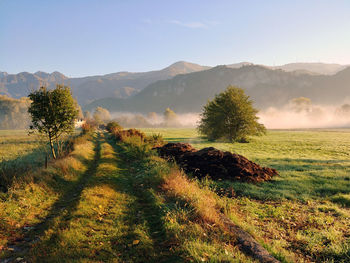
(53, 113)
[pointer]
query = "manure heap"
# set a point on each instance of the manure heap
(215, 163)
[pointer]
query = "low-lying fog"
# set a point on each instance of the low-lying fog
(288, 117)
(318, 117)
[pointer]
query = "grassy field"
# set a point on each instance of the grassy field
(118, 202)
(19, 153)
(102, 203)
(306, 210)
(17, 143)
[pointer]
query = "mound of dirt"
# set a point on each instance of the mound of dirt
(175, 150)
(215, 163)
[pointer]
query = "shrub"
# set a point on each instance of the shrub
(122, 135)
(88, 126)
(113, 127)
(155, 140)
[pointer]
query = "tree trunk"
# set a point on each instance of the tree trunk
(58, 148)
(52, 148)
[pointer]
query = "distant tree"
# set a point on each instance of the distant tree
(301, 104)
(101, 115)
(170, 118)
(230, 115)
(343, 111)
(80, 111)
(153, 116)
(53, 113)
(87, 115)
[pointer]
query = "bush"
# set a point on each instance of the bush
(113, 127)
(88, 126)
(122, 135)
(155, 140)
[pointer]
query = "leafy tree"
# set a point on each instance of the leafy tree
(170, 118)
(230, 115)
(101, 115)
(53, 113)
(301, 104)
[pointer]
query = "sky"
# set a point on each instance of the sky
(90, 37)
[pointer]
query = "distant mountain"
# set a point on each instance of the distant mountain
(86, 89)
(267, 87)
(239, 65)
(122, 85)
(313, 68)
(19, 85)
(301, 68)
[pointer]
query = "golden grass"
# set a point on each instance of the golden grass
(202, 199)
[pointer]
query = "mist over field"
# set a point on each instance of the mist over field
(289, 116)
(317, 116)
(128, 119)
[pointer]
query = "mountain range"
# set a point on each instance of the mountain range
(267, 87)
(185, 86)
(87, 89)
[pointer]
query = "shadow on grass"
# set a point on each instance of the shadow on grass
(60, 212)
(143, 211)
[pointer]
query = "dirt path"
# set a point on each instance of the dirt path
(106, 215)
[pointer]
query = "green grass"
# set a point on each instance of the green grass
(104, 203)
(19, 153)
(303, 214)
(17, 143)
(312, 164)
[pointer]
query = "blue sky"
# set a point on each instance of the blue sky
(87, 37)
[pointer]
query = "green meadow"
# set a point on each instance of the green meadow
(118, 202)
(306, 209)
(313, 164)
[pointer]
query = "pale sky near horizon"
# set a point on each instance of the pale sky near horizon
(90, 37)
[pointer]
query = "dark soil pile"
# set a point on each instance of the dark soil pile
(215, 163)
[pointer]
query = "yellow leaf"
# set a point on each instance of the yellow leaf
(135, 242)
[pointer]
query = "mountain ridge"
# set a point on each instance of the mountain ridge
(86, 89)
(267, 87)
(124, 84)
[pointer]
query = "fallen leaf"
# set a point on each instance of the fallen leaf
(135, 242)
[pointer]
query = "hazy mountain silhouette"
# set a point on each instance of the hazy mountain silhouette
(284, 80)
(86, 89)
(267, 87)
(318, 68)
